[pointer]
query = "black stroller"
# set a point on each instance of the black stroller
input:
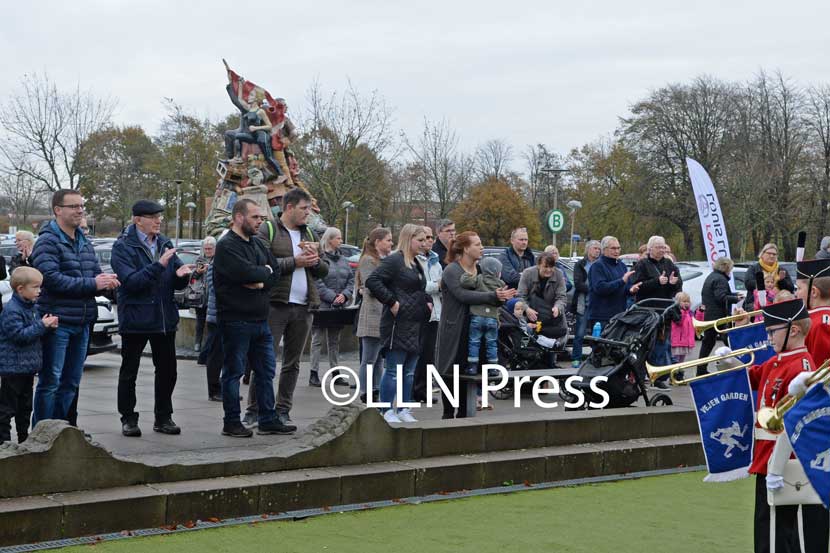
(620, 354)
(521, 349)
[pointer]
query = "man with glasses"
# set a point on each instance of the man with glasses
(149, 270)
(71, 279)
(608, 284)
(446, 232)
(768, 264)
(432, 271)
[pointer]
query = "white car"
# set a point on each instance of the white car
(105, 327)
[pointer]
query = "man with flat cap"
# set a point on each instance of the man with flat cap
(149, 270)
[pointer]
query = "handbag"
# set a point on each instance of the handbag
(193, 295)
(797, 489)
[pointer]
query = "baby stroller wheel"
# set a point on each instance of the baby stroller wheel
(659, 399)
(502, 393)
(568, 397)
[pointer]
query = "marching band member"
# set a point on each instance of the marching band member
(813, 288)
(787, 325)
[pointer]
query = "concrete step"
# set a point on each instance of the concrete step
(83, 513)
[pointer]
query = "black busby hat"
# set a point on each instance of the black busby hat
(146, 207)
(784, 313)
(814, 268)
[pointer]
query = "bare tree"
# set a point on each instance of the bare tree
(46, 128)
(818, 123)
(673, 123)
(782, 139)
(493, 159)
(436, 152)
(22, 195)
(346, 138)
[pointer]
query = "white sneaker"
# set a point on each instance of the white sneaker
(391, 417)
(405, 415)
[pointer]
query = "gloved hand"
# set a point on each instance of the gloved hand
(726, 363)
(774, 482)
(798, 385)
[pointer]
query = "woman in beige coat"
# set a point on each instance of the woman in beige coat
(376, 246)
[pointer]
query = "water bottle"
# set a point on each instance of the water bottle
(597, 330)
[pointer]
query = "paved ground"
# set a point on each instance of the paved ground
(201, 419)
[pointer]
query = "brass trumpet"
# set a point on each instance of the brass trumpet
(717, 324)
(772, 418)
(657, 372)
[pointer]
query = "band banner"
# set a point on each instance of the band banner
(808, 426)
(709, 212)
(725, 416)
(751, 337)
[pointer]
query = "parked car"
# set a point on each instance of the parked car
(352, 253)
(8, 250)
(100, 340)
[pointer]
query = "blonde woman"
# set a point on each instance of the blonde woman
(768, 263)
(399, 284)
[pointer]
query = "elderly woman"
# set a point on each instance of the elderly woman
(24, 241)
(202, 263)
(768, 264)
(717, 297)
(335, 293)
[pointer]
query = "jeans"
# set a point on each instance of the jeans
(248, 342)
(163, 348)
(370, 355)
(580, 327)
(488, 329)
(64, 353)
(660, 354)
(332, 336)
(388, 383)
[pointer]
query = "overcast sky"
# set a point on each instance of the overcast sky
(560, 73)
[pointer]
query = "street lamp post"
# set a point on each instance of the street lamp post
(191, 206)
(547, 170)
(178, 204)
(573, 205)
(347, 205)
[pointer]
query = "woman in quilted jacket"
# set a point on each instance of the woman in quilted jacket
(399, 284)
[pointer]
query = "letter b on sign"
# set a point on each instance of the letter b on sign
(555, 220)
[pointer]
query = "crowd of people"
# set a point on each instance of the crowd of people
(429, 297)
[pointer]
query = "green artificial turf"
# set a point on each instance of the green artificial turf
(675, 514)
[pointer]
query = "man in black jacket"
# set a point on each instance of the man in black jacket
(580, 297)
(659, 278)
(445, 230)
(244, 272)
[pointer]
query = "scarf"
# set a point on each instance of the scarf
(769, 269)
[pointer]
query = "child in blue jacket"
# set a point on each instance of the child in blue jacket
(21, 352)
